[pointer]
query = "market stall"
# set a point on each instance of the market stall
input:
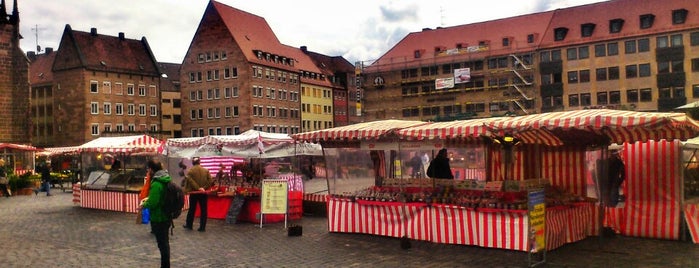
(18, 156)
(113, 171)
(553, 147)
(236, 161)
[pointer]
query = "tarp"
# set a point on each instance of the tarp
(125, 144)
(245, 145)
(359, 131)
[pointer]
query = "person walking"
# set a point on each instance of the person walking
(4, 181)
(439, 167)
(44, 169)
(160, 222)
(617, 175)
(197, 180)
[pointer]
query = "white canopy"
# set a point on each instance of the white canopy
(249, 144)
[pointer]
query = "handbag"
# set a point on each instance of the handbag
(3, 180)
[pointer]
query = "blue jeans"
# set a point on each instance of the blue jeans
(45, 187)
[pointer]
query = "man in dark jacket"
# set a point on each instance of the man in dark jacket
(197, 181)
(160, 222)
(439, 167)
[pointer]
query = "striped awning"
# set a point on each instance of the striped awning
(61, 150)
(126, 144)
(618, 126)
(473, 129)
(359, 131)
(14, 146)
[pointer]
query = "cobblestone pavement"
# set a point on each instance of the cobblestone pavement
(41, 231)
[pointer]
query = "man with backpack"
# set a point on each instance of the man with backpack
(155, 202)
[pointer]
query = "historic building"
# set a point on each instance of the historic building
(14, 80)
(102, 85)
(170, 101)
(42, 103)
(237, 76)
(620, 54)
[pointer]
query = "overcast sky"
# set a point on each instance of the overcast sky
(359, 30)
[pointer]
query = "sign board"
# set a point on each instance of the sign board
(495, 186)
(537, 220)
(274, 197)
(441, 83)
(234, 209)
(462, 75)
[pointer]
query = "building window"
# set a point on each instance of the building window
(95, 129)
(107, 108)
(106, 87)
(602, 98)
(107, 127)
(695, 65)
(573, 100)
(643, 45)
(141, 90)
(630, 47)
(631, 71)
(572, 53)
(647, 20)
(506, 42)
(587, 29)
(601, 74)
(153, 110)
(600, 50)
(572, 77)
(94, 108)
(585, 99)
(152, 91)
(119, 109)
(612, 49)
(679, 16)
(632, 95)
(583, 52)
(644, 70)
(118, 89)
(695, 91)
(142, 109)
(94, 87)
(530, 38)
(694, 39)
(614, 97)
(584, 76)
(130, 89)
(559, 34)
(130, 109)
(615, 25)
(613, 73)
(646, 95)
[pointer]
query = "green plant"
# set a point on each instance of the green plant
(19, 182)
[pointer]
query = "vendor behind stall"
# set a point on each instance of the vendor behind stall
(439, 167)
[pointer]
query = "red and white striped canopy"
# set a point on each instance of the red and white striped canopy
(61, 150)
(360, 131)
(22, 147)
(618, 126)
(126, 144)
(245, 138)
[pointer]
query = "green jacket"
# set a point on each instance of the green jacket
(155, 196)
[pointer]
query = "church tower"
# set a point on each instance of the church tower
(14, 80)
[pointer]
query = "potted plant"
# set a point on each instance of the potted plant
(20, 185)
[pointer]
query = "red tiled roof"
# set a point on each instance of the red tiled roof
(627, 10)
(493, 32)
(172, 71)
(111, 53)
(40, 69)
(252, 33)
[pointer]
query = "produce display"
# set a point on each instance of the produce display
(489, 196)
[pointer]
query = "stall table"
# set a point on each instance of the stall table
(449, 224)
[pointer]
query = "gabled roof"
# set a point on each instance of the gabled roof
(252, 33)
(492, 32)
(40, 69)
(172, 73)
(110, 53)
(629, 11)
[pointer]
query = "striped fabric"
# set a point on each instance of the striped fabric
(126, 144)
(691, 213)
(212, 163)
(360, 131)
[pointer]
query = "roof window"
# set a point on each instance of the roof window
(647, 20)
(679, 16)
(615, 25)
(587, 29)
(560, 33)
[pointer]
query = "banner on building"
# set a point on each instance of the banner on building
(441, 83)
(462, 75)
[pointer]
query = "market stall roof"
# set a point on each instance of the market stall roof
(60, 150)
(611, 126)
(22, 147)
(125, 144)
(473, 129)
(359, 131)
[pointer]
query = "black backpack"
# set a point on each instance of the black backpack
(173, 200)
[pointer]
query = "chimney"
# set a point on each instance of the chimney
(31, 55)
(48, 50)
(121, 36)
(93, 31)
(304, 49)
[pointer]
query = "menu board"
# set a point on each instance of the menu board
(274, 197)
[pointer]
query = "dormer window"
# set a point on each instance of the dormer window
(587, 29)
(506, 41)
(459, 46)
(416, 54)
(647, 21)
(437, 49)
(679, 16)
(268, 56)
(560, 33)
(259, 55)
(615, 25)
(530, 38)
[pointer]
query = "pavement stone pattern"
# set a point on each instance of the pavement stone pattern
(50, 231)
